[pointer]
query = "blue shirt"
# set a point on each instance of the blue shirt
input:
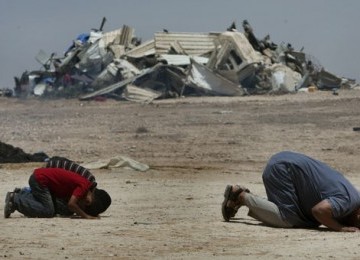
(296, 183)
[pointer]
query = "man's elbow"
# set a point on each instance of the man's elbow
(317, 211)
(321, 209)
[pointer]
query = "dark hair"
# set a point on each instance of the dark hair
(102, 201)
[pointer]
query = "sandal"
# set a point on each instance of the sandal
(9, 204)
(229, 195)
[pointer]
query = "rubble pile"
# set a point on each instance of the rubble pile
(118, 65)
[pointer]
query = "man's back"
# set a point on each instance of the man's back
(62, 183)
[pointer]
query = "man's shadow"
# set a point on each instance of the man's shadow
(254, 222)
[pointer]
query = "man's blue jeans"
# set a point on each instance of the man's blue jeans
(37, 204)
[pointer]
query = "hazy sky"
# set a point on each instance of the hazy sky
(327, 29)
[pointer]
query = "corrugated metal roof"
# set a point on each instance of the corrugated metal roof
(191, 43)
(145, 49)
(121, 36)
(109, 37)
(179, 60)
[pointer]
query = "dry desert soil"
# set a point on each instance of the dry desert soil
(194, 148)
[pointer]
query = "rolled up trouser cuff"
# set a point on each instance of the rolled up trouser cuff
(265, 211)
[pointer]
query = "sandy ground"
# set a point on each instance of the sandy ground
(194, 147)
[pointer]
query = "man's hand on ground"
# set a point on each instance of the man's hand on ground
(349, 229)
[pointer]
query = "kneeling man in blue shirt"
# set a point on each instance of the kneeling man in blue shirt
(302, 193)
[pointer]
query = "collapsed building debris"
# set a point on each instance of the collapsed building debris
(118, 65)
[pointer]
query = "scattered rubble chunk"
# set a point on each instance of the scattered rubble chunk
(117, 162)
(6, 92)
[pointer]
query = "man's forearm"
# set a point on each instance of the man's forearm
(74, 207)
(77, 210)
(328, 221)
(322, 212)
